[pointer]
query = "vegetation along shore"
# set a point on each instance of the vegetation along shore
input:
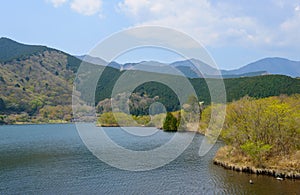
(262, 136)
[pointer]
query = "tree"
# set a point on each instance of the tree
(170, 123)
(2, 105)
(256, 150)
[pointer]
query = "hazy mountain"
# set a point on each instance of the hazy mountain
(271, 66)
(114, 64)
(265, 66)
(99, 61)
(190, 68)
(198, 67)
(194, 68)
(93, 60)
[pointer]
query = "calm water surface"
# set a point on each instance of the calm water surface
(52, 159)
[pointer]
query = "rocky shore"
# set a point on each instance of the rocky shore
(241, 165)
(258, 171)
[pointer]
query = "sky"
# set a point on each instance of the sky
(234, 33)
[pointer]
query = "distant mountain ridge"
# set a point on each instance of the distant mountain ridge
(194, 68)
(273, 65)
(93, 60)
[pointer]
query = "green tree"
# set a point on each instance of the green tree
(116, 119)
(2, 105)
(170, 123)
(107, 119)
(256, 150)
(2, 119)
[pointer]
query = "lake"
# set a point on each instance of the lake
(52, 159)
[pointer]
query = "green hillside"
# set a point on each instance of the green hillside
(34, 76)
(38, 81)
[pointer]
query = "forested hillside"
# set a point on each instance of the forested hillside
(37, 77)
(37, 82)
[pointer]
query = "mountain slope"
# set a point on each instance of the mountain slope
(34, 76)
(12, 50)
(39, 79)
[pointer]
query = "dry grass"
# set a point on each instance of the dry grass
(230, 157)
(286, 163)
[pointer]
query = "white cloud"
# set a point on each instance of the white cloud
(57, 3)
(198, 18)
(219, 23)
(135, 8)
(86, 7)
(290, 29)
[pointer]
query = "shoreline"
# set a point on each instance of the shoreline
(257, 171)
(40, 123)
(222, 159)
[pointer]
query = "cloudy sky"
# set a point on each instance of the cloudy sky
(234, 32)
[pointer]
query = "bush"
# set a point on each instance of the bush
(170, 123)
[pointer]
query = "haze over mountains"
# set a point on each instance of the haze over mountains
(274, 65)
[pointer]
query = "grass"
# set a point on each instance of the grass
(284, 165)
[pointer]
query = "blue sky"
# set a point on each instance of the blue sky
(234, 32)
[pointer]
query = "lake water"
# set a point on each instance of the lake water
(52, 159)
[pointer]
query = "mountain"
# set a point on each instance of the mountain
(265, 66)
(271, 66)
(99, 61)
(194, 68)
(10, 49)
(93, 60)
(33, 76)
(189, 68)
(115, 65)
(33, 79)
